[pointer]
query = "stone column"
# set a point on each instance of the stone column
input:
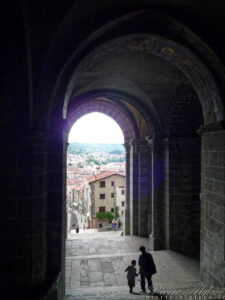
(23, 197)
(56, 204)
(212, 252)
(127, 202)
(144, 190)
(134, 185)
(155, 156)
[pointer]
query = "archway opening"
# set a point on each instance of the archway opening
(96, 190)
(95, 174)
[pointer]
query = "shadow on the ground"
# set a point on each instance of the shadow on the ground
(161, 296)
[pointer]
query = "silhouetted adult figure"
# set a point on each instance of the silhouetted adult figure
(146, 269)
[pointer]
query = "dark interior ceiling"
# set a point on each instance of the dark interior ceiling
(149, 78)
(153, 75)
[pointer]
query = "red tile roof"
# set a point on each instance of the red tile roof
(74, 181)
(102, 175)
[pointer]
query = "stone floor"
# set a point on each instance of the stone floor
(96, 262)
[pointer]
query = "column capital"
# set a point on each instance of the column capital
(135, 143)
(155, 145)
(213, 127)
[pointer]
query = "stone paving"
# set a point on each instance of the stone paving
(96, 262)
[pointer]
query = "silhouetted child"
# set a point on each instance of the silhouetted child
(131, 274)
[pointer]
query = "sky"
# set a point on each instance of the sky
(96, 128)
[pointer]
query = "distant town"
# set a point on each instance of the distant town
(95, 186)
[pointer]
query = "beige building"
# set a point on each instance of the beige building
(120, 202)
(102, 190)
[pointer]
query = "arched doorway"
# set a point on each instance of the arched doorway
(140, 74)
(142, 54)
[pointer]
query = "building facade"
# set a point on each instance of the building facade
(103, 192)
(120, 194)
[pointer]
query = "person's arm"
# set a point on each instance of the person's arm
(139, 263)
(139, 270)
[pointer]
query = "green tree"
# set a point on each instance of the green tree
(91, 159)
(104, 215)
(116, 212)
(79, 165)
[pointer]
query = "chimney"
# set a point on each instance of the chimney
(97, 170)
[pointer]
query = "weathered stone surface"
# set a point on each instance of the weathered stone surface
(95, 276)
(183, 271)
(213, 210)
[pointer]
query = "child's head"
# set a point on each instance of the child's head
(133, 262)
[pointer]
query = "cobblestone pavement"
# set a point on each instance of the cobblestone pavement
(96, 262)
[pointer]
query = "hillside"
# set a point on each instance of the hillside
(76, 148)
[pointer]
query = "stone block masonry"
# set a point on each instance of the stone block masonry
(213, 208)
(22, 213)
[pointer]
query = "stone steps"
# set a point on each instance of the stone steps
(111, 292)
(194, 292)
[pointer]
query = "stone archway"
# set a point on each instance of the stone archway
(161, 45)
(190, 67)
(136, 152)
(119, 113)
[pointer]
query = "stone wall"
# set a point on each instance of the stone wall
(104, 223)
(180, 202)
(22, 213)
(56, 217)
(184, 202)
(213, 209)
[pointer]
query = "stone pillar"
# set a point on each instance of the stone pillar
(212, 253)
(56, 204)
(127, 202)
(184, 190)
(144, 190)
(134, 185)
(165, 197)
(23, 198)
(156, 173)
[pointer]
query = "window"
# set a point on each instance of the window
(100, 225)
(112, 183)
(102, 184)
(122, 203)
(102, 196)
(102, 209)
(112, 195)
(112, 210)
(122, 212)
(122, 192)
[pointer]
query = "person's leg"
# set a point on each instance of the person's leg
(150, 285)
(130, 286)
(143, 283)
